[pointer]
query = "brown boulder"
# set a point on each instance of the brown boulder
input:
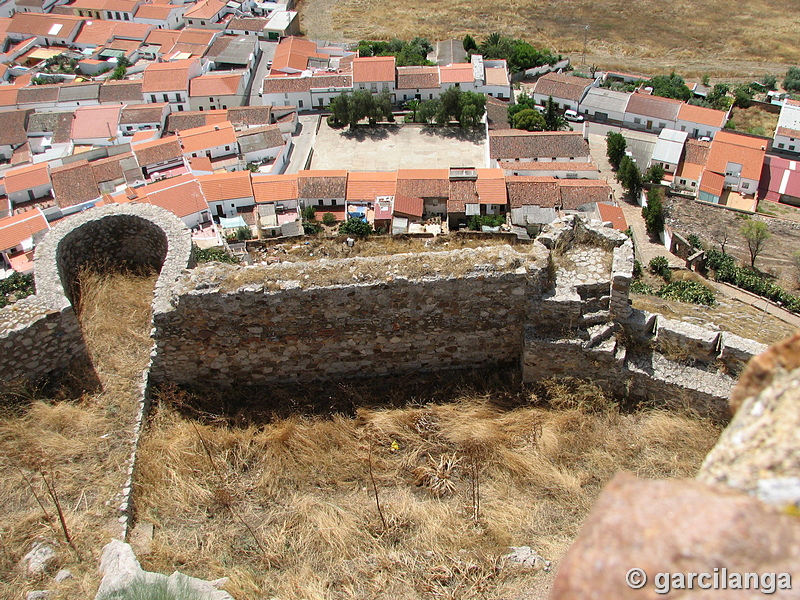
(677, 526)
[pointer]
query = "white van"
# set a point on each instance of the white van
(571, 115)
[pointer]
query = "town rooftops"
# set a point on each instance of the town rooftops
(529, 190)
(292, 54)
(712, 183)
(13, 126)
(496, 76)
(215, 84)
(27, 178)
(612, 214)
(44, 25)
(35, 94)
(373, 68)
(694, 159)
(156, 151)
(16, 229)
(409, 78)
(274, 188)
(96, 122)
(207, 137)
(654, 107)
(702, 115)
(515, 143)
(367, 186)
(205, 9)
(155, 12)
(121, 91)
(250, 116)
(258, 138)
(142, 113)
(605, 100)
(191, 119)
(576, 192)
(739, 149)
(226, 186)
(322, 184)
(253, 24)
(167, 77)
(563, 86)
(74, 183)
(184, 197)
(457, 73)
(79, 92)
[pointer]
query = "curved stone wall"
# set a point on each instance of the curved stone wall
(40, 335)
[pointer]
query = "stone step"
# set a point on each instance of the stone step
(600, 333)
(594, 318)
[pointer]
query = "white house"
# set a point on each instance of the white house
(218, 90)
(375, 74)
(668, 149)
(19, 234)
(491, 77)
(226, 192)
(699, 121)
(787, 132)
(212, 141)
(28, 183)
(143, 117)
(651, 113)
(169, 82)
(567, 91)
(162, 16)
(264, 144)
(604, 105)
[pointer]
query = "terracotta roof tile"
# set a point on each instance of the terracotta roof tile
(159, 12)
(409, 78)
(368, 186)
(74, 184)
(27, 178)
(576, 192)
(96, 122)
(461, 194)
(491, 186)
(559, 85)
(215, 84)
(293, 53)
(206, 137)
(206, 9)
(322, 184)
(537, 191)
(514, 143)
(142, 113)
(17, 228)
(613, 214)
(167, 77)
(373, 68)
(457, 73)
(702, 115)
(161, 150)
(654, 107)
(730, 147)
(250, 115)
(13, 127)
(274, 188)
(183, 199)
(121, 91)
(180, 121)
(226, 186)
(38, 93)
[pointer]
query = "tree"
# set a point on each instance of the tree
(756, 235)
(413, 106)
(629, 176)
(655, 174)
(469, 44)
(553, 121)
(356, 227)
(328, 219)
(653, 213)
(530, 120)
(742, 97)
(428, 110)
(615, 148)
(791, 82)
(720, 236)
(670, 86)
(769, 81)
(340, 108)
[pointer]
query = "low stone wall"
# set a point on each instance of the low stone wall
(347, 318)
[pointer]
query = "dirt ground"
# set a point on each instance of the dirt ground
(710, 223)
(706, 36)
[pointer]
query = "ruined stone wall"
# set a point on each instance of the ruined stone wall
(347, 318)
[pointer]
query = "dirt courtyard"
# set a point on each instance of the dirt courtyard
(392, 147)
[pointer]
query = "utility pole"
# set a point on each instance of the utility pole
(585, 41)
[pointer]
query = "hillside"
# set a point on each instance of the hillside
(721, 38)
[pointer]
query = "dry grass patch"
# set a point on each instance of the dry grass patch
(457, 483)
(754, 120)
(79, 442)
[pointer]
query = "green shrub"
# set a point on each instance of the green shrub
(309, 213)
(356, 227)
(659, 265)
(214, 254)
(243, 234)
(141, 589)
(637, 269)
(328, 219)
(653, 213)
(640, 287)
(18, 285)
(475, 222)
(311, 228)
(693, 292)
(695, 241)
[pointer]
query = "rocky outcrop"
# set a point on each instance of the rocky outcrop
(759, 452)
(676, 526)
(121, 571)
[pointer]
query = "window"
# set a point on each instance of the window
(201, 109)
(683, 182)
(180, 107)
(333, 202)
(430, 96)
(211, 99)
(299, 104)
(80, 13)
(662, 125)
(693, 184)
(683, 127)
(745, 186)
(791, 147)
(166, 97)
(127, 18)
(321, 202)
(637, 120)
(225, 107)
(227, 148)
(153, 98)
(780, 145)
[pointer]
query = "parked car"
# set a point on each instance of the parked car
(705, 138)
(571, 115)
(541, 109)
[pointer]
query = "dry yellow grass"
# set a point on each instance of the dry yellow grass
(754, 120)
(81, 442)
(703, 36)
(303, 486)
